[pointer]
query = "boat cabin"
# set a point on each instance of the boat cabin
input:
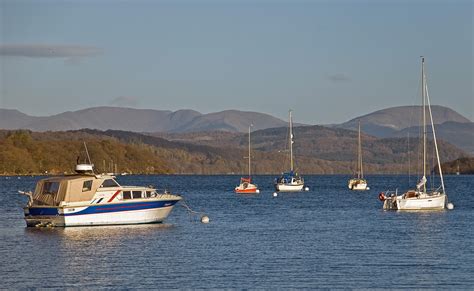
(74, 188)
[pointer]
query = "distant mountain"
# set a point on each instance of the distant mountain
(387, 122)
(139, 120)
(230, 120)
(14, 119)
(399, 121)
(459, 134)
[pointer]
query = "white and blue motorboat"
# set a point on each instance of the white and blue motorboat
(86, 199)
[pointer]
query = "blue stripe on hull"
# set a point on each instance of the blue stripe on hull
(108, 208)
(123, 207)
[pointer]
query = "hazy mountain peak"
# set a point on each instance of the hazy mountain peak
(384, 122)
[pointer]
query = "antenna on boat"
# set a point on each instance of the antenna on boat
(85, 168)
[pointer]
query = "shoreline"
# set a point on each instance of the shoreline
(230, 175)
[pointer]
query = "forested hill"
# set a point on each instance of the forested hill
(463, 166)
(318, 150)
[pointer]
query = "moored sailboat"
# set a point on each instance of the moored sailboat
(246, 186)
(421, 198)
(290, 181)
(358, 183)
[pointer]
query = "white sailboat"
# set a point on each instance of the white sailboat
(290, 181)
(246, 186)
(359, 183)
(420, 198)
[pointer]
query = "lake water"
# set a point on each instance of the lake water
(328, 237)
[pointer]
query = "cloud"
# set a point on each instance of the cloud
(124, 101)
(338, 78)
(48, 51)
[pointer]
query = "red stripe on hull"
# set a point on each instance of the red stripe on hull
(113, 196)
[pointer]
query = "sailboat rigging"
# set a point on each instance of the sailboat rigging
(359, 183)
(246, 185)
(290, 181)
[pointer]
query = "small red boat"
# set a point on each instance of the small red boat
(246, 186)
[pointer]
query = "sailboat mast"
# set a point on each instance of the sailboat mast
(423, 93)
(250, 156)
(291, 142)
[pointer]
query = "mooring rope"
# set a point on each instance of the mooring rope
(203, 217)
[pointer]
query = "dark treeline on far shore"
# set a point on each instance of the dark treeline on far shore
(23, 152)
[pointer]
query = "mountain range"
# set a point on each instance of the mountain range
(195, 127)
(139, 120)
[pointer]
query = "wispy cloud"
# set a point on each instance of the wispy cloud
(338, 78)
(48, 50)
(125, 101)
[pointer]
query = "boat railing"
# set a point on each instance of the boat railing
(390, 193)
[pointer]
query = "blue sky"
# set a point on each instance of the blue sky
(329, 61)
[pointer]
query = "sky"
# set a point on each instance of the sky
(328, 61)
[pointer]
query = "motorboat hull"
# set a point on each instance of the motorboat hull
(289, 187)
(109, 214)
(427, 202)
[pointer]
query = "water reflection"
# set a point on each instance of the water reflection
(99, 232)
(97, 256)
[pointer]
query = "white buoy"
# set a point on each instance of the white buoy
(450, 206)
(257, 191)
(306, 188)
(275, 194)
(367, 188)
(204, 219)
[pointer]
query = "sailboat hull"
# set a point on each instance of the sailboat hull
(426, 202)
(247, 189)
(357, 184)
(289, 187)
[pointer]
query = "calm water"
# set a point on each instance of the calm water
(328, 237)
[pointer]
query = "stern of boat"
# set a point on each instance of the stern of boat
(43, 216)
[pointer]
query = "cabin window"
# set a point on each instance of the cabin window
(148, 194)
(109, 183)
(50, 188)
(126, 195)
(137, 194)
(87, 186)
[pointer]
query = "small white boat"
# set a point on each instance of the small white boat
(86, 199)
(290, 181)
(421, 198)
(358, 183)
(246, 186)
